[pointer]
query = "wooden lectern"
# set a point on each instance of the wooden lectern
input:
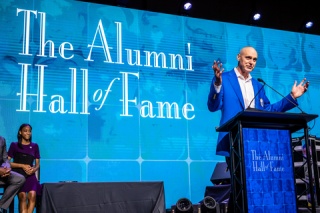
(262, 167)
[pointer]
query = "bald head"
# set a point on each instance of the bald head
(247, 59)
(248, 51)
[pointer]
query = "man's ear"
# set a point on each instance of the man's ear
(238, 56)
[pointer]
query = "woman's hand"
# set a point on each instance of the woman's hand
(28, 169)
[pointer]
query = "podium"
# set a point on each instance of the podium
(262, 167)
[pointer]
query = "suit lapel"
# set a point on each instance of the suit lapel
(236, 87)
(255, 90)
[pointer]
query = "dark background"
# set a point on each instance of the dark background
(282, 15)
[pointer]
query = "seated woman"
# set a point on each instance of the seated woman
(24, 156)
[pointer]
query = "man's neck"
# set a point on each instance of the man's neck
(243, 73)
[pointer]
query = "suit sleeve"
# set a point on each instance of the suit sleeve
(214, 99)
(4, 153)
(283, 105)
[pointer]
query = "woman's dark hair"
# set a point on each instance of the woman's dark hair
(19, 135)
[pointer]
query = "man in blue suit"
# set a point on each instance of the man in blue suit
(234, 91)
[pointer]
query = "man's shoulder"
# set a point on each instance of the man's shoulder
(255, 81)
(229, 74)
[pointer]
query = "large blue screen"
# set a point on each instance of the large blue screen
(116, 94)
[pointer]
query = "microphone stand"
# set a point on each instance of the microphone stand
(249, 108)
(264, 83)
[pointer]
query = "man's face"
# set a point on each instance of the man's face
(247, 59)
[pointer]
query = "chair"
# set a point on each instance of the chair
(11, 207)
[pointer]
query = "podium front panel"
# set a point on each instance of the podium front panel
(269, 171)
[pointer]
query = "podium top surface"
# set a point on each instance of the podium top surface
(268, 120)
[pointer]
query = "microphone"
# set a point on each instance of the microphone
(249, 106)
(264, 83)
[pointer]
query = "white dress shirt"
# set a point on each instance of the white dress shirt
(246, 89)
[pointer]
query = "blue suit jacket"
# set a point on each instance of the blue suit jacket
(230, 101)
